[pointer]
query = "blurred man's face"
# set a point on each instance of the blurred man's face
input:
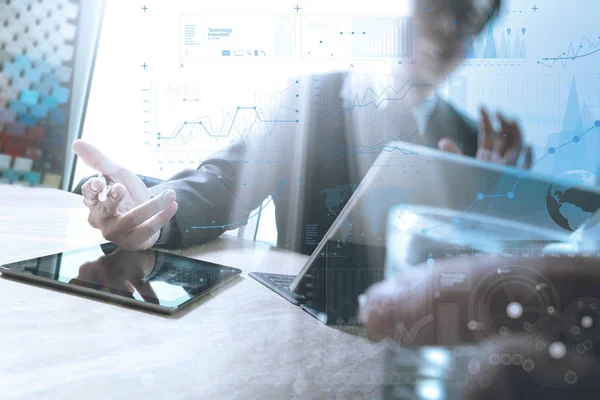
(441, 29)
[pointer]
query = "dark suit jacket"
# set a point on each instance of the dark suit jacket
(332, 145)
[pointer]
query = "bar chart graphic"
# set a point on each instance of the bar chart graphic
(356, 37)
(512, 44)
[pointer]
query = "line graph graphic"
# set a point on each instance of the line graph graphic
(511, 194)
(576, 139)
(376, 148)
(368, 100)
(586, 48)
(176, 140)
(377, 105)
(575, 126)
(230, 120)
(566, 149)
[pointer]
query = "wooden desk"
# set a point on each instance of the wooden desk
(243, 341)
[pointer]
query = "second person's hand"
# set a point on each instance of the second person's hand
(500, 146)
(129, 217)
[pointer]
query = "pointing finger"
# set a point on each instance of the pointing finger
(94, 158)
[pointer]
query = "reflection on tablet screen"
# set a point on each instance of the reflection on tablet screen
(147, 276)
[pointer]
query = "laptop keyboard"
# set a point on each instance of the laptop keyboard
(280, 284)
(282, 280)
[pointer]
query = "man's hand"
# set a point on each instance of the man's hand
(503, 146)
(128, 217)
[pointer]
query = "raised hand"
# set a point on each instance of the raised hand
(502, 146)
(129, 217)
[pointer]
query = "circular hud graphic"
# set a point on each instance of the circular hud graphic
(509, 303)
(558, 359)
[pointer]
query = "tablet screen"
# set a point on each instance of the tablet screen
(148, 276)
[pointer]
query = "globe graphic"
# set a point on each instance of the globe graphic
(568, 205)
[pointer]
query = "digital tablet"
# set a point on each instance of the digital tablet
(152, 280)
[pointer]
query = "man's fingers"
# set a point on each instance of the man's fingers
(449, 146)
(115, 195)
(118, 285)
(510, 157)
(522, 158)
(144, 289)
(94, 158)
(483, 154)
(501, 139)
(377, 309)
(90, 203)
(394, 301)
(90, 190)
(138, 215)
(528, 158)
(139, 236)
(486, 131)
(512, 132)
(89, 272)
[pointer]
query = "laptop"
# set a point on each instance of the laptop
(351, 256)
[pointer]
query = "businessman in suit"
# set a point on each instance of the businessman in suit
(326, 149)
